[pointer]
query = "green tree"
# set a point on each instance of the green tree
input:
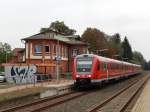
(42, 30)
(126, 49)
(5, 52)
(148, 65)
(95, 38)
(138, 58)
(115, 45)
(60, 27)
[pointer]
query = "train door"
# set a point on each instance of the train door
(104, 71)
(98, 70)
(110, 69)
(114, 70)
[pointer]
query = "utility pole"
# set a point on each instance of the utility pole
(57, 60)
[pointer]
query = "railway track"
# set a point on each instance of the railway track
(119, 101)
(45, 103)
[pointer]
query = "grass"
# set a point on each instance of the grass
(21, 93)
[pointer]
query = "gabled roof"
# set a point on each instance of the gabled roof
(69, 39)
(41, 35)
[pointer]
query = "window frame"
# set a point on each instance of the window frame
(41, 49)
(75, 53)
(48, 48)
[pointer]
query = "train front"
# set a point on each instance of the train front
(83, 69)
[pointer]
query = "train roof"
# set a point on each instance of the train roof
(108, 60)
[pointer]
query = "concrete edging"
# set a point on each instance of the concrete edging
(56, 91)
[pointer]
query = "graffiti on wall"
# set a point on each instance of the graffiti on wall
(21, 73)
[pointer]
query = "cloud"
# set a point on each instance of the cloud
(22, 18)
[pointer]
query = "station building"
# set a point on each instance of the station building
(43, 49)
(18, 55)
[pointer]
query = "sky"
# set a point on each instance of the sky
(131, 18)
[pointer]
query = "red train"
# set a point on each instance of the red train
(90, 68)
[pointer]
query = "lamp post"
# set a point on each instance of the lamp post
(57, 60)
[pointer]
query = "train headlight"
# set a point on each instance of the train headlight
(77, 76)
(89, 75)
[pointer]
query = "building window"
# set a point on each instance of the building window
(54, 47)
(38, 49)
(59, 51)
(65, 50)
(62, 51)
(74, 52)
(47, 49)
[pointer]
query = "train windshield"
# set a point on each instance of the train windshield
(84, 65)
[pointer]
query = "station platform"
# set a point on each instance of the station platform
(143, 102)
(49, 84)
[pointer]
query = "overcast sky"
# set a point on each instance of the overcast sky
(131, 18)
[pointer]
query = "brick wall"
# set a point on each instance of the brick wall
(45, 61)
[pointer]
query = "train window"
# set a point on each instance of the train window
(105, 66)
(112, 67)
(98, 66)
(102, 66)
(109, 66)
(84, 64)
